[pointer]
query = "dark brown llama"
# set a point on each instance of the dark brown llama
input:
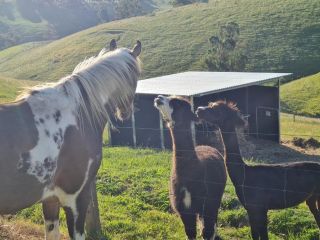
(198, 174)
(263, 187)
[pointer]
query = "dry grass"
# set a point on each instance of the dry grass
(264, 151)
(270, 152)
(16, 229)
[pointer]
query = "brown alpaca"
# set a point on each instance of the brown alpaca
(263, 187)
(198, 174)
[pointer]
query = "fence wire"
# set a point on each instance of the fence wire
(246, 133)
(283, 189)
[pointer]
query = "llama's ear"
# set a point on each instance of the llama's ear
(113, 45)
(136, 49)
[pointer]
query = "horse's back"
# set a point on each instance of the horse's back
(17, 128)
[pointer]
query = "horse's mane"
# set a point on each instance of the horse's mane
(108, 80)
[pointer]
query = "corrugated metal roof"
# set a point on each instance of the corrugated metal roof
(202, 83)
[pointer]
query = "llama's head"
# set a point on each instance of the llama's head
(221, 113)
(176, 111)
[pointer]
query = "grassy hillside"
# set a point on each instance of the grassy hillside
(302, 96)
(134, 204)
(34, 20)
(279, 35)
(9, 88)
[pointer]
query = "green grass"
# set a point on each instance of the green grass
(302, 96)
(279, 35)
(300, 127)
(134, 204)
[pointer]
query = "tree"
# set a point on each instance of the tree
(226, 53)
(128, 8)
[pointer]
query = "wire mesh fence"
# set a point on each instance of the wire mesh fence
(285, 188)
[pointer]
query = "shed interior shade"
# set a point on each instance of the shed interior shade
(202, 83)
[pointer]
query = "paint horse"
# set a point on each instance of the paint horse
(51, 137)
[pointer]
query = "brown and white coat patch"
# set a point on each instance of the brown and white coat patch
(53, 113)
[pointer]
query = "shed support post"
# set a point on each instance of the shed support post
(247, 100)
(247, 109)
(161, 132)
(193, 128)
(134, 135)
(279, 112)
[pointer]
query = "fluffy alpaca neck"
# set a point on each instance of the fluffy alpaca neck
(235, 164)
(182, 147)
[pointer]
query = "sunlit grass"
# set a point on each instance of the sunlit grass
(302, 96)
(298, 126)
(133, 187)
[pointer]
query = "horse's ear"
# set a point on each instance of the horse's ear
(113, 45)
(136, 49)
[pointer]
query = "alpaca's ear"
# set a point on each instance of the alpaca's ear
(113, 45)
(136, 49)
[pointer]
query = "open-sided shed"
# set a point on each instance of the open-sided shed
(256, 94)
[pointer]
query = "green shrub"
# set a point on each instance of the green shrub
(292, 221)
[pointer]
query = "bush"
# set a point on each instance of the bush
(226, 52)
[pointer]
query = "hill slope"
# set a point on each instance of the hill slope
(34, 20)
(302, 96)
(280, 36)
(9, 88)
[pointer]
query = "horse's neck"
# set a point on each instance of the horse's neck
(182, 147)
(234, 162)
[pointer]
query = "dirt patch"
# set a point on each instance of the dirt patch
(16, 229)
(306, 143)
(259, 150)
(272, 152)
(264, 151)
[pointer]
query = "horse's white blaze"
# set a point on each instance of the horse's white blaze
(52, 230)
(187, 198)
(53, 113)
